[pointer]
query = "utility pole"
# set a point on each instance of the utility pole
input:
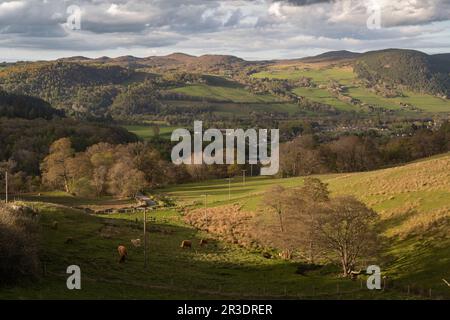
(145, 238)
(243, 176)
(6, 187)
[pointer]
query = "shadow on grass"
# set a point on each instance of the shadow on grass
(217, 271)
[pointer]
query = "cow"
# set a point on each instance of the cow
(203, 242)
(186, 244)
(136, 242)
(122, 253)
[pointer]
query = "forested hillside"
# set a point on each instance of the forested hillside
(21, 106)
(414, 70)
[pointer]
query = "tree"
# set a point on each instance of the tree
(80, 172)
(344, 229)
(295, 210)
(101, 158)
(55, 167)
(125, 181)
(302, 207)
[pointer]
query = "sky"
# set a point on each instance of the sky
(251, 29)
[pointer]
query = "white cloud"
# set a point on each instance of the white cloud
(249, 28)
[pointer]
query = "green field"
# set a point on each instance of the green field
(319, 76)
(146, 131)
(323, 96)
(219, 271)
(412, 200)
(238, 95)
(346, 77)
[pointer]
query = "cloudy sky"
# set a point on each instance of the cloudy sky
(252, 29)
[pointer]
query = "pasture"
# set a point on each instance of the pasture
(412, 200)
(238, 95)
(147, 131)
(219, 270)
(344, 75)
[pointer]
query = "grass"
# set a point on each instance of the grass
(413, 202)
(146, 132)
(238, 95)
(408, 199)
(323, 96)
(219, 271)
(345, 76)
(424, 102)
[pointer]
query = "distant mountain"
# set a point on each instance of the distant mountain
(177, 60)
(333, 55)
(413, 70)
(85, 87)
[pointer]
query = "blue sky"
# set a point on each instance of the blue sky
(252, 29)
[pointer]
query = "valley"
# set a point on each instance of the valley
(86, 145)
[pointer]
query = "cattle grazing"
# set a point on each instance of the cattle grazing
(136, 242)
(55, 225)
(203, 242)
(122, 253)
(186, 244)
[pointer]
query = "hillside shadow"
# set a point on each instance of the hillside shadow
(396, 220)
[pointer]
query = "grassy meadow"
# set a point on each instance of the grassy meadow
(412, 201)
(238, 95)
(146, 131)
(344, 75)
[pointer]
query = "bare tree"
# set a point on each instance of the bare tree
(302, 210)
(344, 229)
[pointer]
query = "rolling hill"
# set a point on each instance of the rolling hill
(412, 200)
(414, 70)
(389, 81)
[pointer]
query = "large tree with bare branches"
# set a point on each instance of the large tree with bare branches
(344, 228)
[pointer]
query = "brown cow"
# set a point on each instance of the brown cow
(186, 244)
(122, 253)
(203, 242)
